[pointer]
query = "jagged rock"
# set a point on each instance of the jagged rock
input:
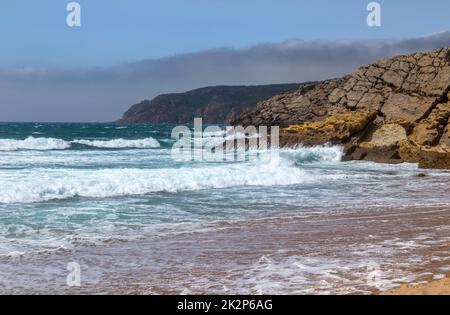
(386, 135)
(440, 82)
(381, 154)
(407, 107)
(382, 145)
(393, 78)
(372, 101)
(434, 159)
(429, 131)
(408, 151)
(427, 157)
(310, 102)
(333, 129)
(408, 93)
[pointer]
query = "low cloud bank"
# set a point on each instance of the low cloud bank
(103, 94)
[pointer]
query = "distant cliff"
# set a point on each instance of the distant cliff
(218, 104)
(396, 110)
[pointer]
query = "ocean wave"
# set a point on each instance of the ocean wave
(32, 143)
(45, 144)
(324, 153)
(120, 143)
(49, 184)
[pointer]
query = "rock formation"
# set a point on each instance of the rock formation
(218, 104)
(395, 110)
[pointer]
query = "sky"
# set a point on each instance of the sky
(127, 51)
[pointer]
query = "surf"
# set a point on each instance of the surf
(46, 144)
(43, 184)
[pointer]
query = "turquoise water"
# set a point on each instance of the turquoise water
(65, 185)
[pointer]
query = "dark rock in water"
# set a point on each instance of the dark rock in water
(405, 98)
(219, 104)
(421, 175)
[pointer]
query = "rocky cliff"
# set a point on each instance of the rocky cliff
(218, 104)
(395, 110)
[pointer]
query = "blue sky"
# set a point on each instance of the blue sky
(128, 51)
(35, 33)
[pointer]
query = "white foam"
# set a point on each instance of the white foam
(24, 186)
(121, 143)
(315, 154)
(44, 144)
(32, 143)
(313, 275)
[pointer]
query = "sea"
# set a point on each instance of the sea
(112, 200)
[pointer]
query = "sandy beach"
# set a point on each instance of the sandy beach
(362, 252)
(434, 287)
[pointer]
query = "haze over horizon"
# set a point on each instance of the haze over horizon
(125, 53)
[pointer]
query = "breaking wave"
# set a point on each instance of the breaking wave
(120, 143)
(314, 154)
(45, 144)
(32, 143)
(49, 184)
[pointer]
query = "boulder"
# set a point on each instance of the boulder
(387, 135)
(434, 159)
(408, 151)
(333, 129)
(406, 107)
(430, 130)
(427, 157)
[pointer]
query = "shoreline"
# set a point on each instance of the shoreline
(432, 287)
(355, 252)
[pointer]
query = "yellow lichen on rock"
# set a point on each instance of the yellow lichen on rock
(334, 128)
(350, 121)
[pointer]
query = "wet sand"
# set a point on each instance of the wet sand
(434, 287)
(359, 251)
